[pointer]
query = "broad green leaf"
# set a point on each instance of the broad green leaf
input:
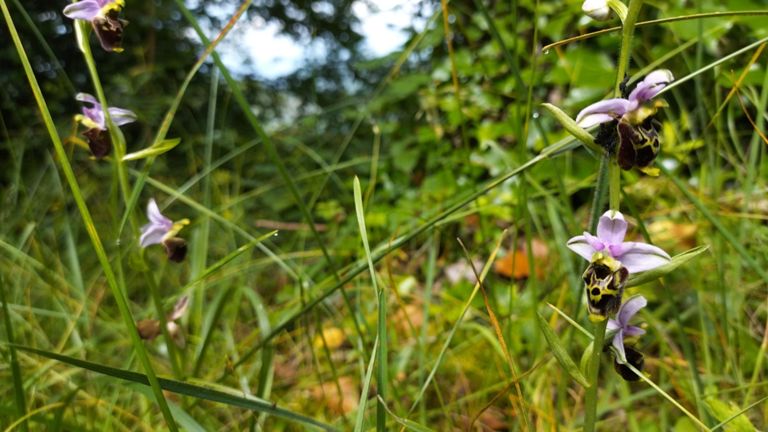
(560, 353)
(153, 150)
(677, 261)
(733, 418)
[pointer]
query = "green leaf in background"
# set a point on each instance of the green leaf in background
(677, 261)
(559, 351)
(153, 150)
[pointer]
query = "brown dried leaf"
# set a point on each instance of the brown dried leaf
(338, 404)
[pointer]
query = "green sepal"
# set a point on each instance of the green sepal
(619, 8)
(678, 260)
(82, 29)
(153, 150)
(572, 127)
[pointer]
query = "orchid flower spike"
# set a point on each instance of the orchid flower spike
(620, 327)
(634, 256)
(93, 118)
(633, 109)
(103, 16)
(161, 230)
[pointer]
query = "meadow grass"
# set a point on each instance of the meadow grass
(406, 268)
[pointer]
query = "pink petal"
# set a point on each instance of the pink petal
(595, 242)
(618, 343)
(83, 10)
(85, 97)
(630, 308)
(612, 227)
(653, 83)
(612, 326)
(614, 107)
(581, 246)
(594, 119)
(632, 331)
(157, 218)
(640, 257)
(151, 234)
(122, 116)
(96, 115)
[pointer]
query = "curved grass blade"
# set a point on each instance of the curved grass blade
(271, 149)
(654, 22)
(197, 391)
(218, 265)
(384, 249)
(366, 385)
(452, 332)
(98, 246)
(382, 379)
(408, 424)
(18, 384)
(730, 238)
(560, 353)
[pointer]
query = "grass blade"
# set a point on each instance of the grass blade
(560, 353)
(381, 327)
(366, 385)
(221, 395)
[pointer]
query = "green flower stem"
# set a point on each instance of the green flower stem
(614, 185)
(120, 299)
(627, 32)
(614, 196)
(118, 151)
(590, 402)
(117, 138)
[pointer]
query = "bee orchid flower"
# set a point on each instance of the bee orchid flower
(103, 16)
(161, 230)
(611, 229)
(93, 118)
(633, 109)
(620, 327)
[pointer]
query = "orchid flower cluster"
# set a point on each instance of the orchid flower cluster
(611, 261)
(103, 15)
(629, 133)
(97, 118)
